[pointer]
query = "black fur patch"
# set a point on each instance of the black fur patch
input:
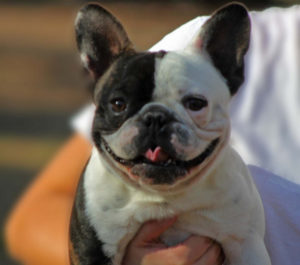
(131, 78)
(225, 36)
(86, 247)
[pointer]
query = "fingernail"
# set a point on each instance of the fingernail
(208, 241)
(169, 220)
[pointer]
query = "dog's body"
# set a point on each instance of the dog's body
(161, 133)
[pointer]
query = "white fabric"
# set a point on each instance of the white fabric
(281, 200)
(266, 110)
(82, 122)
(265, 120)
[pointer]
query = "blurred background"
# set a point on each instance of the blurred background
(42, 84)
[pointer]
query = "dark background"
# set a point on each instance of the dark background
(42, 84)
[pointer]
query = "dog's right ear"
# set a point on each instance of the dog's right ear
(100, 38)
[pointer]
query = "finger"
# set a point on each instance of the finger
(190, 250)
(213, 256)
(153, 229)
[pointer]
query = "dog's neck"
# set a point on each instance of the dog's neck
(99, 170)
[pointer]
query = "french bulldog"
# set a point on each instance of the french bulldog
(161, 142)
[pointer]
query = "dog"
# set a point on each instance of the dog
(161, 142)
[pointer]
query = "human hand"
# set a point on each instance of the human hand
(147, 249)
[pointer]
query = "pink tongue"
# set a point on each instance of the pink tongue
(158, 155)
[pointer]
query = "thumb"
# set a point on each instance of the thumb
(151, 230)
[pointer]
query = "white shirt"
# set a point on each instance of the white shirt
(265, 120)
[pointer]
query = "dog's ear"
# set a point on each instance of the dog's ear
(225, 38)
(100, 38)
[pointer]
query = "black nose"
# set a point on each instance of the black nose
(155, 119)
(156, 123)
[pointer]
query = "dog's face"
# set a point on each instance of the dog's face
(162, 118)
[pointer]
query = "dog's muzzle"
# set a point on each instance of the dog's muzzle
(156, 160)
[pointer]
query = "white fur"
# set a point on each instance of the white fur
(214, 207)
(85, 60)
(183, 73)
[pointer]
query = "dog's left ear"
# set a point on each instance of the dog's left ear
(100, 38)
(225, 38)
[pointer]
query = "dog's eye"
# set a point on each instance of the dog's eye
(118, 105)
(194, 103)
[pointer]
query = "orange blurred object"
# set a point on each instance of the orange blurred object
(37, 229)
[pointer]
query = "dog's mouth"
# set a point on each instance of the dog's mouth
(158, 166)
(157, 157)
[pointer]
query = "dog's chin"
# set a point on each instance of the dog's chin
(166, 172)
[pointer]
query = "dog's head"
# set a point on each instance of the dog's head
(162, 118)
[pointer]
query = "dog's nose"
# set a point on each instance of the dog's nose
(155, 119)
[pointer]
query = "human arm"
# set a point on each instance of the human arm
(37, 229)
